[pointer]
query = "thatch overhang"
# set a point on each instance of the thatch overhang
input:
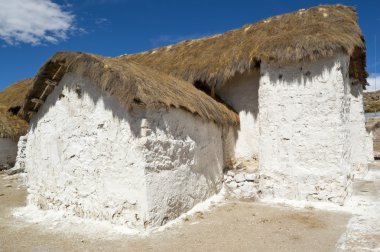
(129, 82)
(11, 126)
(11, 100)
(302, 36)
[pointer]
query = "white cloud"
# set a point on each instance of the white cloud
(372, 79)
(34, 22)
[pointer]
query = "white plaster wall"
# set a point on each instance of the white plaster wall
(21, 155)
(369, 146)
(305, 144)
(87, 155)
(358, 131)
(8, 151)
(229, 140)
(83, 156)
(184, 162)
(241, 93)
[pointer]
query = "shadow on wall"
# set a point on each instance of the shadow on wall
(241, 92)
(301, 73)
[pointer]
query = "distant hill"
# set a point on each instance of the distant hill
(372, 101)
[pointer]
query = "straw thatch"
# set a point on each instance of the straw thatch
(14, 95)
(130, 83)
(11, 126)
(305, 35)
(11, 99)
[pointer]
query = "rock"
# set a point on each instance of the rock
(250, 176)
(227, 179)
(4, 167)
(238, 165)
(248, 187)
(232, 184)
(14, 171)
(239, 177)
(237, 191)
(230, 173)
(248, 194)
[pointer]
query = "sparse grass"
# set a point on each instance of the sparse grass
(372, 102)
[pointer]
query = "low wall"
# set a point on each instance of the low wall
(373, 129)
(8, 152)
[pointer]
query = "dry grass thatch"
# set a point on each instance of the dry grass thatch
(304, 35)
(11, 126)
(14, 95)
(129, 82)
(11, 99)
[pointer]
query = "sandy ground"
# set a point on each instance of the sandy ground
(233, 226)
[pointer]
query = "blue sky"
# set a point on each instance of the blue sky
(115, 27)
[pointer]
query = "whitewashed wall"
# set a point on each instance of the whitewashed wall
(8, 151)
(229, 140)
(184, 163)
(87, 155)
(241, 93)
(305, 145)
(369, 146)
(358, 132)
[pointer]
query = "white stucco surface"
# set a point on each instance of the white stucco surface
(241, 93)
(305, 145)
(184, 163)
(8, 151)
(369, 146)
(229, 140)
(21, 153)
(88, 156)
(358, 131)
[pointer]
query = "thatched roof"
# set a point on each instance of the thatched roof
(304, 35)
(11, 99)
(130, 83)
(11, 126)
(14, 95)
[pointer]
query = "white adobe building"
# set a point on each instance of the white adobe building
(119, 142)
(130, 139)
(296, 81)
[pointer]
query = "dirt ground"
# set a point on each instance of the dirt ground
(233, 226)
